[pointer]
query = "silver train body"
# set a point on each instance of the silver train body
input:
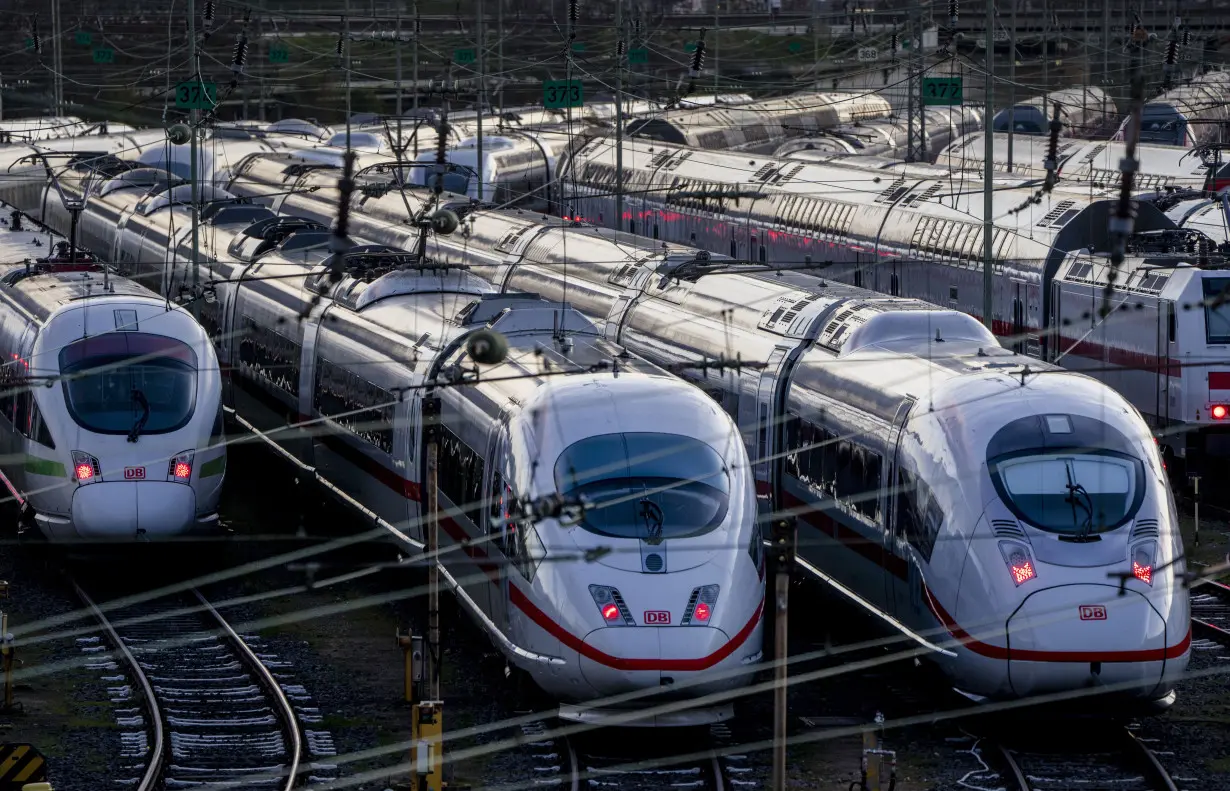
(918, 237)
(760, 126)
(1088, 162)
(887, 137)
(667, 614)
(24, 130)
(1083, 110)
(1190, 115)
(889, 425)
(111, 420)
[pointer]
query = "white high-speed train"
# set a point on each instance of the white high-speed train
(886, 137)
(1088, 162)
(980, 502)
(111, 411)
(761, 126)
(1188, 115)
(1083, 110)
(917, 236)
(670, 608)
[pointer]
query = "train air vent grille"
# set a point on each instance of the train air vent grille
(691, 608)
(653, 562)
(1006, 528)
(1145, 528)
(679, 160)
(1055, 213)
(1093, 153)
(892, 192)
(926, 195)
(623, 608)
(660, 158)
(764, 172)
(794, 171)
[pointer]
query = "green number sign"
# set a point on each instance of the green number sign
(29, 43)
(941, 90)
(464, 56)
(795, 47)
(196, 95)
(104, 55)
(84, 38)
(638, 55)
(690, 46)
(279, 53)
(558, 94)
(578, 46)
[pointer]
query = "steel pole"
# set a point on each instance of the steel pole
(988, 229)
(482, 82)
(397, 45)
(717, 40)
(1011, 90)
(194, 120)
(621, 52)
(346, 66)
(431, 417)
(783, 543)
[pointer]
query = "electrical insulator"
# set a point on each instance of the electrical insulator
(572, 13)
(894, 43)
(240, 57)
(210, 9)
(341, 43)
(698, 57)
(1187, 38)
(418, 26)
(1172, 53)
(38, 40)
(952, 12)
(620, 48)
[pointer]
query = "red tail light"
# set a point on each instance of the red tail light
(1020, 564)
(1219, 411)
(610, 612)
(84, 472)
(183, 471)
(1142, 561)
(1143, 573)
(701, 613)
(85, 468)
(180, 467)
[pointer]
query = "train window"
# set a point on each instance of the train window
(355, 404)
(894, 285)
(655, 230)
(734, 249)
(692, 239)
(129, 382)
(762, 254)
(268, 355)
(919, 517)
(1068, 474)
(39, 432)
(461, 475)
(858, 277)
(952, 293)
(1216, 311)
(1170, 322)
(650, 486)
(631, 226)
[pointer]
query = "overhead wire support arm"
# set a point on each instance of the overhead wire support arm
(1122, 221)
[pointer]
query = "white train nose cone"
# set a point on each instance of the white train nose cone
(627, 658)
(123, 511)
(1089, 635)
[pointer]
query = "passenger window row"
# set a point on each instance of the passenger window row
(355, 404)
(836, 466)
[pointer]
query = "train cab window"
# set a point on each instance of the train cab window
(129, 382)
(1216, 316)
(762, 254)
(952, 293)
(1066, 474)
(644, 485)
(734, 249)
(919, 517)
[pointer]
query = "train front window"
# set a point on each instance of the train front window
(1078, 495)
(1217, 309)
(1066, 474)
(646, 485)
(129, 383)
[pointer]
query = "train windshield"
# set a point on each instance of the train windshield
(129, 383)
(1217, 309)
(1066, 474)
(647, 486)
(1161, 123)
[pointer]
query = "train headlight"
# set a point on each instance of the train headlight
(179, 469)
(1020, 562)
(701, 604)
(85, 468)
(1142, 561)
(611, 605)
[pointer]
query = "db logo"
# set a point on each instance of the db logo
(1093, 612)
(134, 473)
(657, 617)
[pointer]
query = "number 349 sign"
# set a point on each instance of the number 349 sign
(941, 90)
(558, 94)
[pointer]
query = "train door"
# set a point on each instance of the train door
(500, 527)
(902, 578)
(1033, 320)
(307, 378)
(1018, 316)
(765, 435)
(18, 409)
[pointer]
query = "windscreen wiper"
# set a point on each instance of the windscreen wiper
(1075, 492)
(139, 398)
(651, 512)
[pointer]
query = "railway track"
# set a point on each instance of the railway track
(609, 759)
(1210, 603)
(212, 708)
(1088, 759)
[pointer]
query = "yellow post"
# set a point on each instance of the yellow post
(36, 787)
(6, 650)
(871, 761)
(427, 738)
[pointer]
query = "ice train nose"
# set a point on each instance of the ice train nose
(1089, 635)
(123, 510)
(628, 658)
